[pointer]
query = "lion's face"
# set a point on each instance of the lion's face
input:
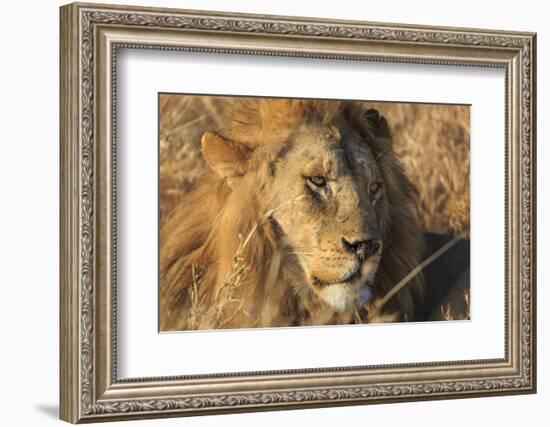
(328, 200)
(326, 196)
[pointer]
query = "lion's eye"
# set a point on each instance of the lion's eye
(375, 188)
(318, 181)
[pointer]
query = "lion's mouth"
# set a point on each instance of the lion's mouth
(348, 278)
(349, 290)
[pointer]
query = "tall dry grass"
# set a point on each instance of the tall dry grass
(183, 120)
(433, 143)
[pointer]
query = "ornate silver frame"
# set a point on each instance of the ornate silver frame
(90, 36)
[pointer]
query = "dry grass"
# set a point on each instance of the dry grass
(183, 120)
(226, 296)
(226, 300)
(447, 312)
(432, 142)
(375, 308)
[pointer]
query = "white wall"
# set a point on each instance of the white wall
(29, 170)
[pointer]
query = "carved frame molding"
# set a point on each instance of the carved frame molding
(90, 37)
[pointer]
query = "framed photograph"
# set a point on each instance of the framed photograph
(266, 212)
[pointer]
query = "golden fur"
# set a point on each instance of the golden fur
(227, 258)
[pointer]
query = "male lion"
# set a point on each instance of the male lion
(303, 218)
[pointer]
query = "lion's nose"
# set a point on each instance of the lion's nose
(363, 248)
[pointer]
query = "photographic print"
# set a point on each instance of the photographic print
(278, 212)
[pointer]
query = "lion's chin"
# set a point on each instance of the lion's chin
(340, 296)
(354, 289)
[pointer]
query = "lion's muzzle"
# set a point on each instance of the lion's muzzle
(364, 249)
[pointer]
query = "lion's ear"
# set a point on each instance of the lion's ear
(377, 123)
(227, 158)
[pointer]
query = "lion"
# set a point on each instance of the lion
(303, 218)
